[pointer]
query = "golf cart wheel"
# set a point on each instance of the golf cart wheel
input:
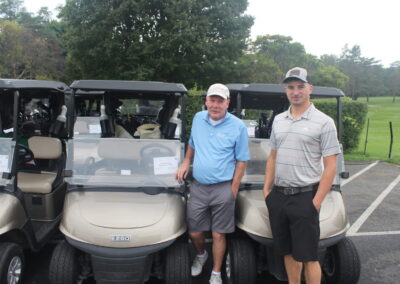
(11, 263)
(177, 264)
(239, 265)
(341, 263)
(64, 267)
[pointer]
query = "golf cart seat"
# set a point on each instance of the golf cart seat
(121, 132)
(81, 126)
(41, 181)
(117, 149)
(259, 149)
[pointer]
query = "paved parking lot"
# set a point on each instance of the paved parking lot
(372, 200)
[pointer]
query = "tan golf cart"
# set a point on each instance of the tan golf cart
(32, 159)
(124, 213)
(251, 250)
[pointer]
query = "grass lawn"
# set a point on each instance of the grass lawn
(381, 110)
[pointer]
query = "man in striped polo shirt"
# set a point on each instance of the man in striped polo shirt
(299, 174)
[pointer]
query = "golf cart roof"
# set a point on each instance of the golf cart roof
(277, 89)
(17, 84)
(133, 86)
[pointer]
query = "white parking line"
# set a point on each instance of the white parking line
(360, 221)
(374, 233)
(359, 173)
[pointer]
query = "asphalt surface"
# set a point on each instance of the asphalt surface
(372, 200)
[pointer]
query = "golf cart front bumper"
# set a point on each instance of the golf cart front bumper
(120, 265)
(322, 245)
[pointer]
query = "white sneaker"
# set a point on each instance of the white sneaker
(198, 264)
(215, 279)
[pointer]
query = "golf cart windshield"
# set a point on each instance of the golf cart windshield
(255, 170)
(6, 156)
(257, 105)
(127, 116)
(124, 162)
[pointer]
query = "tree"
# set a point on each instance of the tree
(329, 59)
(392, 76)
(281, 49)
(27, 54)
(9, 9)
(362, 72)
(256, 68)
(329, 76)
(188, 41)
(395, 64)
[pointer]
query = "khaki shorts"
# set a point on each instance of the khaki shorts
(211, 207)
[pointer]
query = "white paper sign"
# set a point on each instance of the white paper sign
(165, 165)
(94, 128)
(125, 172)
(3, 163)
(251, 130)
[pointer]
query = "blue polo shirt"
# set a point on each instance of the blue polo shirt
(217, 147)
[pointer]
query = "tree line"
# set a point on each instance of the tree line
(195, 42)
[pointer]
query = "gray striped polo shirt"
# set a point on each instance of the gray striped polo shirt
(301, 143)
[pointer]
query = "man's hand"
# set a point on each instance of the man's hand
(317, 205)
(235, 190)
(183, 170)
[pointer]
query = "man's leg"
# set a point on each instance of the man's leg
(312, 270)
(198, 240)
(293, 269)
(200, 259)
(218, 249)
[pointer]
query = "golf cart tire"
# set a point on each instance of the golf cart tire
(8, 252)
(177, 264)
(342, 263)
(239, 266)
(64, 267)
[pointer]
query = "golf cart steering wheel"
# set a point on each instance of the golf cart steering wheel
(88, 166)
(25, 154)
(151, 149)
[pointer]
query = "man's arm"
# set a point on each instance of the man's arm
(183, 169)
(326, 181)
(237, 176)
(269, 173)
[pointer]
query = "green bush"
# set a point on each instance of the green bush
(354, 116)
(194, 103)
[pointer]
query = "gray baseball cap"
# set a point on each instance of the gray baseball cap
(296, 73)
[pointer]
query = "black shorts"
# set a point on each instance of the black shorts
(294, 224)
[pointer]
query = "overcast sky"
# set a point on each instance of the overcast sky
(322, 26)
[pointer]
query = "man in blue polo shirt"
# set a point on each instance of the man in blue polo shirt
(219, 145)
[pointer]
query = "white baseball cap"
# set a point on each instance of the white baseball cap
(296, 73)
(218, 90)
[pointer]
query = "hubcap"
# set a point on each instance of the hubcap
(14, 270)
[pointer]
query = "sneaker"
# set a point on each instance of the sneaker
(198, 264)
(215, 279)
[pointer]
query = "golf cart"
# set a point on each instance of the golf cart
(32, 158)
(124, 211)
(252, 251)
